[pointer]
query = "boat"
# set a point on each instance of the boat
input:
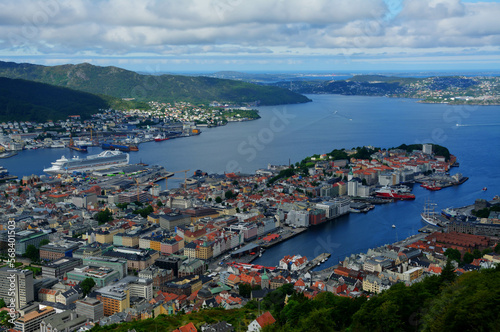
(403, 189)
(103, 160)
(3, 172)
(57, 145)
(9, 154)
(431, 186)
(121, 147)
(387, 192)
(393, 226)
(76, 147)
(449, 213)
(429, 215)
(160, 138)
(484, 189)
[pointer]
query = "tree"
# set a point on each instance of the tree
(229, 194)
(32, 252)
(218, 200)
(103, 216)
(43, 242)
(453, 254)
(2, 303)
(159, 203)
(87, 285)
(245, 290)
(5, 318)
(448, 272)
(468, 258)
(497, 248)
(477, 254)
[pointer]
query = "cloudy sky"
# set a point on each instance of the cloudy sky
(257, 35)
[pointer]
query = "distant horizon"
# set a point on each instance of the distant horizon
(159, 69)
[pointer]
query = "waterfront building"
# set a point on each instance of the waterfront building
(22, 280)
(298, 218)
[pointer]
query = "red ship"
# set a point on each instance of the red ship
(387, 192)
(431, 186)
(160, 138)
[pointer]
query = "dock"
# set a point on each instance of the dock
(428, 229)
(282, 238)
(317, 261)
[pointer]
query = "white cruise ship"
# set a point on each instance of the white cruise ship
(103, 160)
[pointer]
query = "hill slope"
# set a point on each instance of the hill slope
(121, 83)
(32, 101)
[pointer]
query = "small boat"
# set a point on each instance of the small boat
(484, 189)
(393, 226)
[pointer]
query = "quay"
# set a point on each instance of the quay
(286, 235)
(428, 229)
(317, 261)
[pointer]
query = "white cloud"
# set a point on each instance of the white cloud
(200, 27)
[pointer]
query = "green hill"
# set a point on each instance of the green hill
(32, 101)
(121, 83)
(438, 303)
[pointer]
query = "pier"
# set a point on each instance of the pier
(288, 233)
(317, 261)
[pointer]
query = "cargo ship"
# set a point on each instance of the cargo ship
(387, 192)
(103, 160)
(121, 147)
(76, 147)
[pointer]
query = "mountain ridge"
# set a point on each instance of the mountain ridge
(121, 83)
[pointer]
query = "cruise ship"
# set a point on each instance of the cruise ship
(95, 162)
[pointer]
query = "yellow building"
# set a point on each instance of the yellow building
(204, 251)
(155, 245)
(114, 299)
(107, 236)
(153, 218)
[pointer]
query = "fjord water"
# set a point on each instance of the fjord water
(292, 132)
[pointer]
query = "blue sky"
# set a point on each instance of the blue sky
(259, 35)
